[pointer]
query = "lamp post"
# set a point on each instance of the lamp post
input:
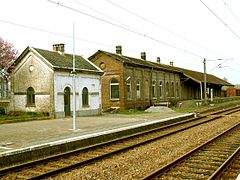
(205, 81)
(74, 82)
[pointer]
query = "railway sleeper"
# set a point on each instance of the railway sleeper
(209, 165)
(200, 166)
(201, 161)
(181, 175)
(212, 156)
(194, 170)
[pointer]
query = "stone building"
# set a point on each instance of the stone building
(42, 82)
(137, 83)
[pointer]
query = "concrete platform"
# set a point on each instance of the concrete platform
(45, 137)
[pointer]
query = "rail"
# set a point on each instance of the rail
(214, 145)
(50, 166)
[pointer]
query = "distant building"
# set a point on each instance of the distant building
(5, 93)
(4, 85)
(42, 82)
(137, 83)
(232, 91)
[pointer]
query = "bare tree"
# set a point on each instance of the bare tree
(7, 54)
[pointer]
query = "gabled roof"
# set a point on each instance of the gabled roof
(133, 61)
(199, 76)
(61, 60)
(194, 75)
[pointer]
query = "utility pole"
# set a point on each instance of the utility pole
(74, 82)
(205, 81)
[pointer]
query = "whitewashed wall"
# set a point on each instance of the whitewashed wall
(90, 81)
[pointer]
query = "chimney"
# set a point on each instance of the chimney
(158, 60)
(59, 48)
(119, 49)
(143, 55)
(171, 63)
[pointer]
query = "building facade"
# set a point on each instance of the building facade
(42, 82)
(137, 83)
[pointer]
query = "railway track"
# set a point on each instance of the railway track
(217, 158)
(54, 165)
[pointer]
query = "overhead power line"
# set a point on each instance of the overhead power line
(231, 11)
(161, 27)
(101, 13)
(225, 24)
(126, 29)
(62, 35)
(51, 32)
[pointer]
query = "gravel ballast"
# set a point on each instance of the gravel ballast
(140, 161)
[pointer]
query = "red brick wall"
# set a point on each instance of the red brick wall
(112, 69)
(231, 92)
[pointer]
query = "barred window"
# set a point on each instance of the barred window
(129, 90)
(154, 89)
(177, 90)
(138, 89)
(160, 88)
(172, 89)
(167, 89)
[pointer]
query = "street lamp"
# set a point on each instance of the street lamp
(74, 82)
(205, 81)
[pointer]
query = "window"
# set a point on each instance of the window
(154, 89)
(30, 97)
(167, 89)
(114, 89)
(138, 89)
(160, 88)
(85, 97)
(177, 90)
(146, 90)
(172, 89)
(129, 92)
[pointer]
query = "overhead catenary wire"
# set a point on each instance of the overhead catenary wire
(161, 27)
(51, 32)
(64, 35)
(76, 1)
(231, 11)
(225, 24)
(126, 29)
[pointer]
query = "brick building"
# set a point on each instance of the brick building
(137, 83)
(232, 91)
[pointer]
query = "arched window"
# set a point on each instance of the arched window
(85, 97)
(153, 89)
(177, 90)
(114, 89)
(129, 89)
(167, 89)
(172, 89)
(160, 89)
(138, 89)
(30, 97)
(147, 89)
